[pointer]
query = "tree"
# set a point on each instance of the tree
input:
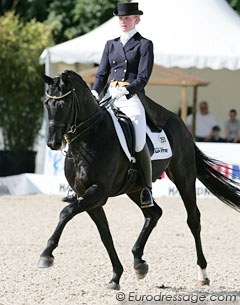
(69, 18)
(21, 111)
(235, 4)
(37, 9)
(77, 17)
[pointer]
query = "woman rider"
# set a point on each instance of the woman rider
(126, 66)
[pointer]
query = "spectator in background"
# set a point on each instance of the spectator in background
(205, 121)
(233, 127)
(215, 137)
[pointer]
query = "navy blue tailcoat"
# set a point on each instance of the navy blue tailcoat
(131, 63)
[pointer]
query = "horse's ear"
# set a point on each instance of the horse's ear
(65, 78)
(47, 79)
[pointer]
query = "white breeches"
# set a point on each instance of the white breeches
(134, 109)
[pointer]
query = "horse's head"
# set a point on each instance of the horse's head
(58, 103)
(69, 104)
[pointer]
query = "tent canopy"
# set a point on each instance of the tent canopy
(187, 33)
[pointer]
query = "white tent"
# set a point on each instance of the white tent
(200, 36)
(186, 33)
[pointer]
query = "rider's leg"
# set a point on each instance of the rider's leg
(143, 158)
(134, 109)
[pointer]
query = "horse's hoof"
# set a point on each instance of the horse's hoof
(141, 271)
(113, 286)
(205, 282)
(45, 261)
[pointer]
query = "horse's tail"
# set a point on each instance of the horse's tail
(223, 187)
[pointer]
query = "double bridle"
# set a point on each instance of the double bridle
(74, 130)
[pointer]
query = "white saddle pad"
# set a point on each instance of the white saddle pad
(162, 149)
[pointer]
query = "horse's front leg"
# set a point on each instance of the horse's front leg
(92, 202)
(99, 217)
(91, 199)
(47, 258)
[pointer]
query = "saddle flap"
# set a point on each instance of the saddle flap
(128, 130)
(158, 144)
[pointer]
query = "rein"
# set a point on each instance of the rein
(82, 127)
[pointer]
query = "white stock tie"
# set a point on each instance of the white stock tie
(124, 39)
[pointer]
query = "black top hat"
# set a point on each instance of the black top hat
(127, 9)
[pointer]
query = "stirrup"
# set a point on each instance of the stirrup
(146, 198)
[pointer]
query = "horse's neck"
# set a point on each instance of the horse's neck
(87, 106)
(87, 131)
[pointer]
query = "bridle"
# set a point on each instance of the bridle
(58, 97)
(74, 130)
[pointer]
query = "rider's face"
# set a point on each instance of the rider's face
(127, 23)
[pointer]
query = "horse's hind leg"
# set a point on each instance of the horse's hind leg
(99, 217)
(152, 216)
(186, 187)
(193, 220)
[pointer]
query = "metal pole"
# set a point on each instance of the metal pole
(194, 109)
(41, 155)
(183, 103)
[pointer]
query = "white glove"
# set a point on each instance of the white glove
(119, 92)
(95, 94)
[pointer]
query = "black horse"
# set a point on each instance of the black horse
(97, 168)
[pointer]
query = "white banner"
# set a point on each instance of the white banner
(53, 180)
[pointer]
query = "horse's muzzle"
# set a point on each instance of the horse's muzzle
(55, 139)
(54, 145)
(55, 135)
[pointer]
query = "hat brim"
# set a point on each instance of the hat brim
(115, 13)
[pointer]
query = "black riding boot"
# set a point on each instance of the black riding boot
(71, 196)
(144, 161)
